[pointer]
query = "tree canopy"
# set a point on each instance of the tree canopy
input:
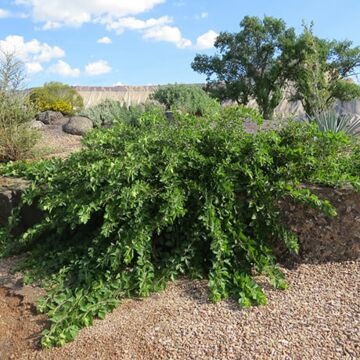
(323, 74)
(266, 56)
(252, 63)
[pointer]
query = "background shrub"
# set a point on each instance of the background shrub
(143, 203)
(16, 136)
(110, 112)
(57, 97)
(12, 71)
(191, 99)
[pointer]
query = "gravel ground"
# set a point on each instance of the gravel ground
(56, 143)
(316, 318)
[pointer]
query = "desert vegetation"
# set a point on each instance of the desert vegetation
(56, 96)
(110, 112)
(16, 112)
(147, 200)
(190, 99)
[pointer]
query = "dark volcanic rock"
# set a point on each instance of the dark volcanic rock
(10, 193)
(50, 117)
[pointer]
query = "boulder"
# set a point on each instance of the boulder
(37, 125)
(50, 117)
(78, 125)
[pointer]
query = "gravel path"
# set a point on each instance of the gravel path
(318, 317)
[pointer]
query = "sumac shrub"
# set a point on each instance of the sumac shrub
(144, 203)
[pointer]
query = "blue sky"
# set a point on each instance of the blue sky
(141, 42)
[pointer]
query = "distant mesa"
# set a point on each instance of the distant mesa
(131, 95)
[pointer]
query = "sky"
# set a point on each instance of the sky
(145, 42)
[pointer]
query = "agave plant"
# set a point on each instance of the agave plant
(330, 120)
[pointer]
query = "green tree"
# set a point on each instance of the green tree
(58, 97)
(324, 70)
(252, 63)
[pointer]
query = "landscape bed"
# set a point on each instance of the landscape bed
(135, 208)
(186, 226)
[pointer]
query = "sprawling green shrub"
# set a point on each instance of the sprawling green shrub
(146, 202)
(109, 112)
(16, 136)
(57, 97)
(191, 99)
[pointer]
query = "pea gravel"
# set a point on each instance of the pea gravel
(318, 317)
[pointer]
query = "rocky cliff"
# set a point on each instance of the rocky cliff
(93, 95)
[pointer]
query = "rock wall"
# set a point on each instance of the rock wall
(323, 238)
(10, 193)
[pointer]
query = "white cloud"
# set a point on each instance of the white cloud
(132, 23)
(64, 69)
(77, 12)
(33, 67)
(33, 53)
(97, 68)
(104, 40)
(4, 13)
(116, 15)
(50, 25)
(119, 83)
(167, 33)
(22, 15)
(206, 40)
(30, 51)
(154, 28)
